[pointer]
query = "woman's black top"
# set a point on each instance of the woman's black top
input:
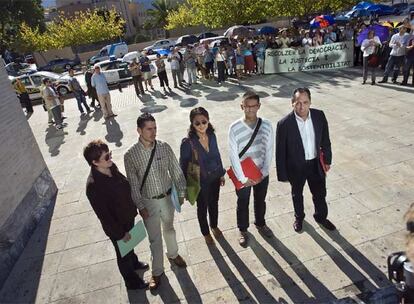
(110, 198)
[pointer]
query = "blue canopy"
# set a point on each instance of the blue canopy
(268, 30)
(363, 5)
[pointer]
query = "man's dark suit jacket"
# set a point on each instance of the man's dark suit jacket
(290, 154)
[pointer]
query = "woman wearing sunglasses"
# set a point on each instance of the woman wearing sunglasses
(202, 139)
(109, 193)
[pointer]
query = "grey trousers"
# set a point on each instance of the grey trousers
(366, 69)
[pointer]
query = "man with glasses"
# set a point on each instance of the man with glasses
(152, 168)
(260, 151)
(98, 81)
(303, 154)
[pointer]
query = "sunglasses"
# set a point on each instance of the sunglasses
(108, 156)
(197, 123)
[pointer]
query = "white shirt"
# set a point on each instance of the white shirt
(307, 133)
(370, 49)
(174, 61)
(395, 49)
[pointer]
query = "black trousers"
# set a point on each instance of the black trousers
(221, 67)
(26, 102)
(127, 264)
(163, 79)
(259, 195)
(93, 95)
(139, 89)
(207, 200)
(317, 186)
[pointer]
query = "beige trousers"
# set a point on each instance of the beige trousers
(106, 106)
(161, 213)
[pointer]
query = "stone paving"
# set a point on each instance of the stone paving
(70, 260)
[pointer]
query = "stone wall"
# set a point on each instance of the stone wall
(27, 187)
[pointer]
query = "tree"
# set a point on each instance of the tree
(83, 28)
(218, 13)
(159, 14)
(13, 13)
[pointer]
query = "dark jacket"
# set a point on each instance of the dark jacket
(211, 166)
(110, 198)
(290, 154)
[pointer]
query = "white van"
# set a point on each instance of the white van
(116, 50)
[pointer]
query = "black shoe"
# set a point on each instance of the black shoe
(327, 224)
(382, 81)
(137, 284)
(394, 81)
(364, 82)
(403, 83)
(141, 266)
(297, 225)
(373, 83)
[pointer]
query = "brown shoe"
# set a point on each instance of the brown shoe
(179, 261)
(209, 240)
(217, 233)
(155, 282)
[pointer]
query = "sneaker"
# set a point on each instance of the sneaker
(209, 240)
(243, 238)
(59, 127)
(265, 230)
(217, 232)
(179, 261)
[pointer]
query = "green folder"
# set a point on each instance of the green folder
(138, 233)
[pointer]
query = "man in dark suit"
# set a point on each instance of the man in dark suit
(301, 136)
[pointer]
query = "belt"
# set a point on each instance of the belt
(162, 195)
(308, 161)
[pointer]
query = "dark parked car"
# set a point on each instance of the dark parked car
(186, 40)
(207, 35)
(60, 65)
(17, 68)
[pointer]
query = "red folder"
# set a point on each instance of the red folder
(322, 161)
(250, 170)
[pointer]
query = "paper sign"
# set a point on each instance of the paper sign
(138, 233)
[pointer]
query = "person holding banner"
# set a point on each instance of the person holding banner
(303, 153)
(202, 141)
(251, 137)
(151, 168)
(109, 194)
(370, 59)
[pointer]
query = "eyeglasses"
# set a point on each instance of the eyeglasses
(251, 107)
(198, 123)
(108, 156)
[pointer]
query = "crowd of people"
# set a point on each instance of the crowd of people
(153, 173)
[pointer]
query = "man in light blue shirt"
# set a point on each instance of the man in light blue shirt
(98, 81)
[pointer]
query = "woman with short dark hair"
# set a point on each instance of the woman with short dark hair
(202, 141)
(109, 194)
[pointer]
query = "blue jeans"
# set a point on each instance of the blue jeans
(259, 195)
(81, 100)
(393, 64)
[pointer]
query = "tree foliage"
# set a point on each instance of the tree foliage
(159, 13)
(219, 13)
(13, 13)
(83, 28)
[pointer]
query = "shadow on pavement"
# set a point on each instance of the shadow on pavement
(114, 133)
(237, 288)
(23, 283)
(319, 290)
(259, 290)
(370, 269)
(187, 285)
(166, 292)
(137, 296)
(54, 139)
(83, 123)
(360, 281)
